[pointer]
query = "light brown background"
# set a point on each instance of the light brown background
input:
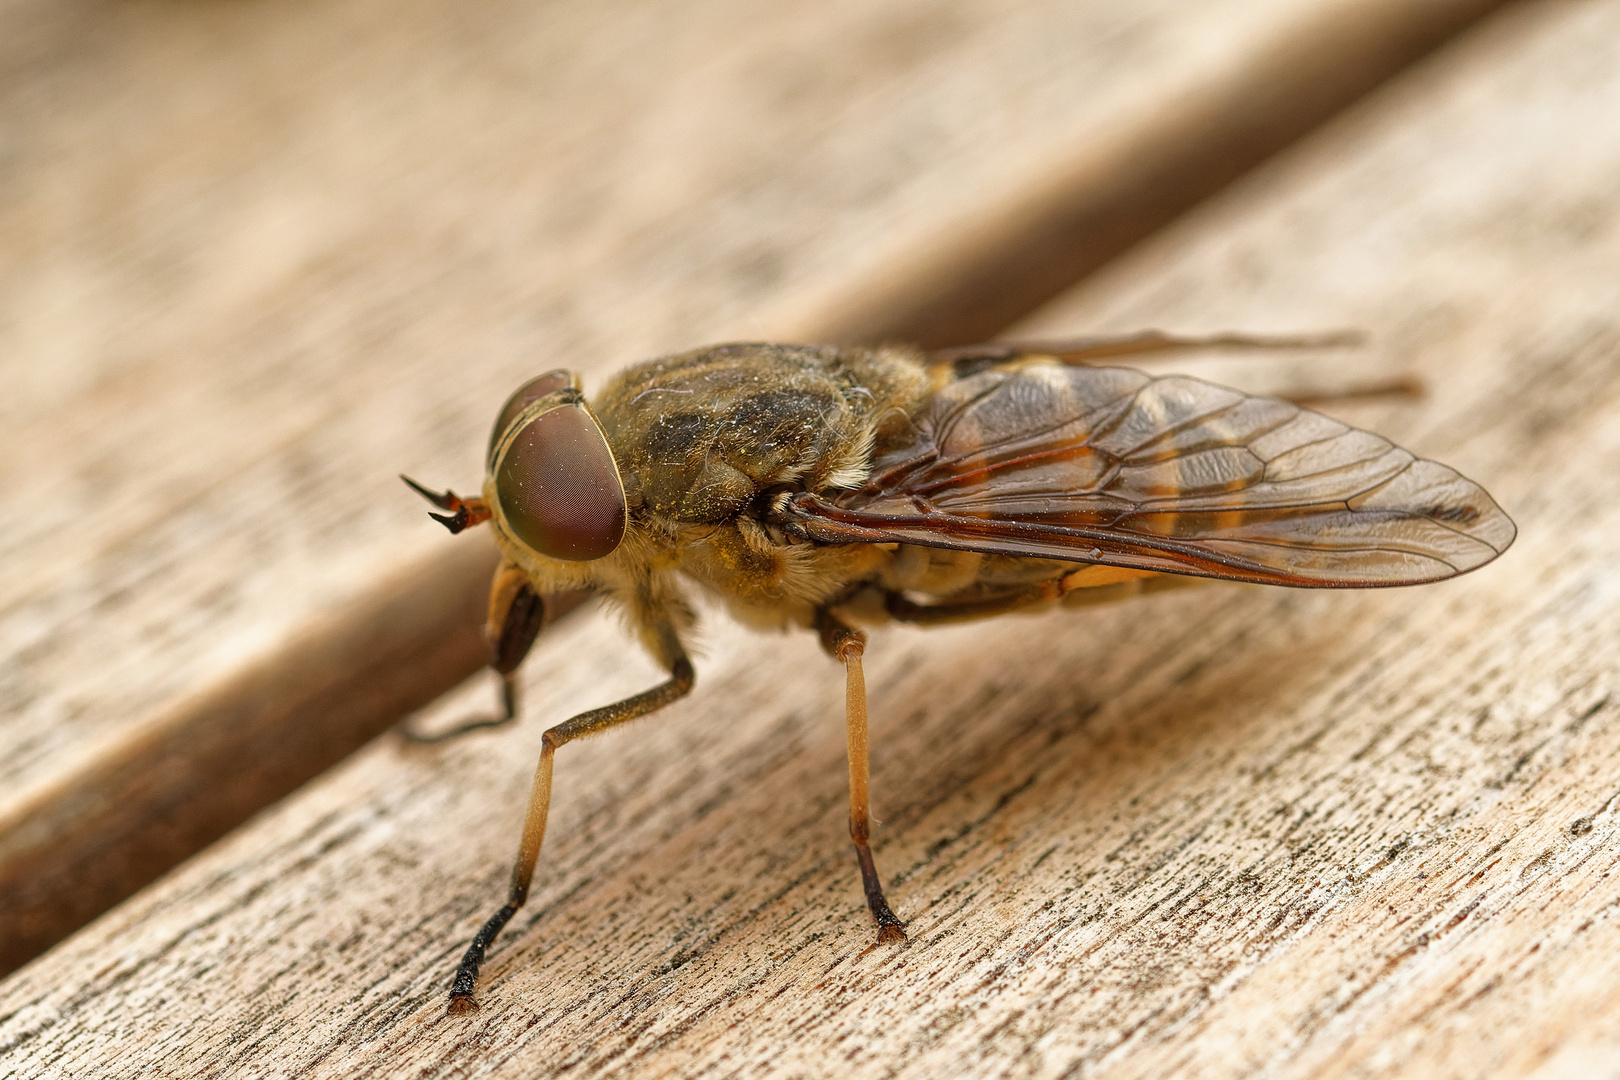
(264, 256)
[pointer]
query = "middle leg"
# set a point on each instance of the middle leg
(677, 686)
(847, 644)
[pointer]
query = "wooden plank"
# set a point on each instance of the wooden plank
(1225, 832)
(259, 258)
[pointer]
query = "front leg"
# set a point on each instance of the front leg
(516, 614)
(847, 644)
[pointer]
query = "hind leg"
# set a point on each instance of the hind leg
(847, 645)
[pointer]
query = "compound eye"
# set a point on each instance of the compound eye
(559, 487)
(526, 395)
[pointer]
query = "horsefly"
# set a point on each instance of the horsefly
(834, 488)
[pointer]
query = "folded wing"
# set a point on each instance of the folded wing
(1111, 466)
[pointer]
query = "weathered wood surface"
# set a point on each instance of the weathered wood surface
(256, 258)
(1225, 832)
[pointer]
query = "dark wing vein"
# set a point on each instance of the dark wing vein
(1110, 466)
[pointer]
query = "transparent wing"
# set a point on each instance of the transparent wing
(1111, 466)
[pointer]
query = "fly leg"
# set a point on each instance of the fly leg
(678, 686)
(903, 609)
(1407, 387)
(848, 644)
(1077, 588)
(1149, 344)
(1088, 350)
(1082, 351)
(516, 614)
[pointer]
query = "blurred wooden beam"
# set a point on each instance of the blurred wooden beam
(997, 266)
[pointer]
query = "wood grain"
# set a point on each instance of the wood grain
(260, 257)
(1225, 832)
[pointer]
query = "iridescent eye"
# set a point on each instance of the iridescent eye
(559, 487)
(526, 395)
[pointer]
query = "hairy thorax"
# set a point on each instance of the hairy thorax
(706, 439)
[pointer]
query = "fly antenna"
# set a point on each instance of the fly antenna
(464, 513)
